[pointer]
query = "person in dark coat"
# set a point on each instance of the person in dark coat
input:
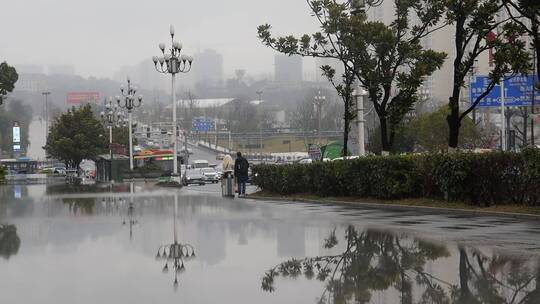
(241, 167)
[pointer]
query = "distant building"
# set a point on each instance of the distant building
(29, 68)
(31, 82)
(208, 69)
(144, 75)
(288, 68)
(61, 69)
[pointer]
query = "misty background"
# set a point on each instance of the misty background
(62, 46)
(98, 37)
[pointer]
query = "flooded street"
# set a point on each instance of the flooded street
(98, 244)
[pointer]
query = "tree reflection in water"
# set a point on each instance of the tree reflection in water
(9, 241)
(376, 261)
(80, 206)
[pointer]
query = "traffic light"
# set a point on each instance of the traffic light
(148, 135)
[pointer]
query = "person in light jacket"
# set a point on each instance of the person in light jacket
(228, 164)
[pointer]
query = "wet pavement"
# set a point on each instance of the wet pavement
(130, 243)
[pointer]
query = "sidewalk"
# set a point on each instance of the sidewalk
(396, 206)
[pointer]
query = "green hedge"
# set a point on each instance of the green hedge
(479, 179)
(3, 173)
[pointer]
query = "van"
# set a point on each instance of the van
(198, 164)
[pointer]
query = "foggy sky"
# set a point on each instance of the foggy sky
(100, 36)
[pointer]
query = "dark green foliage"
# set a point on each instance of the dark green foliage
(8, 78)
(479, 179)
(473, 20)
(121, 136)
(76, 135)
(427, 132)
(3, 173)
(9, 241)
(388, 60)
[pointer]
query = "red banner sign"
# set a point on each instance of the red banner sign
(77, 98)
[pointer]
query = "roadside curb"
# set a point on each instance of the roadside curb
(396, 207)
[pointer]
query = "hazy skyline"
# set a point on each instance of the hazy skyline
(98, 37)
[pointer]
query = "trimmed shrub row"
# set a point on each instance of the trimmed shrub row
(479, 179)
(3, 173)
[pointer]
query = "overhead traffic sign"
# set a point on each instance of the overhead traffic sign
(202, 125)
(518, 91)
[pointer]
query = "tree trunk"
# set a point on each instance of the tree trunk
(454, 124)
(385, 143)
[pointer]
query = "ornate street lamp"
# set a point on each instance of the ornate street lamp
(176, 253)
(173, 62)
(129, 102)
(111, 116)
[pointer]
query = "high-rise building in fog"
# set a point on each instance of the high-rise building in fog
(208, 69)
(288, 68)
(61, 69)
(29, 68)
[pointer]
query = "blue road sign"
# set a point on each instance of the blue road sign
(202, 125)
(518, 91)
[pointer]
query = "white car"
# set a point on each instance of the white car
(211, 175)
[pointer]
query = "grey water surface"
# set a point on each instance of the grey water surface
(99, 244)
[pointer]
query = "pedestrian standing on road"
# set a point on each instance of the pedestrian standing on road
(228, 164)
(241, 167)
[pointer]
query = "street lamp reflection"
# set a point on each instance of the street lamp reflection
(175, 254)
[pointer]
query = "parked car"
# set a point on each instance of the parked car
(220, 156)
(194, 177)
(211, 175)
(60, 170)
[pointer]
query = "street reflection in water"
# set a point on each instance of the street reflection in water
(99, 244)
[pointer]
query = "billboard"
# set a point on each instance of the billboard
(518, 91)
(77, 98)
(16, 133)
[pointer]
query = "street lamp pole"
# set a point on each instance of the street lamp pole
(129, 101)
(319, 101)
(111, 116)
(46, 114)
(173, 63)
(260, 93)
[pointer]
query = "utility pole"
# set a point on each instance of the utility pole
(46, 114)
(360, 93)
